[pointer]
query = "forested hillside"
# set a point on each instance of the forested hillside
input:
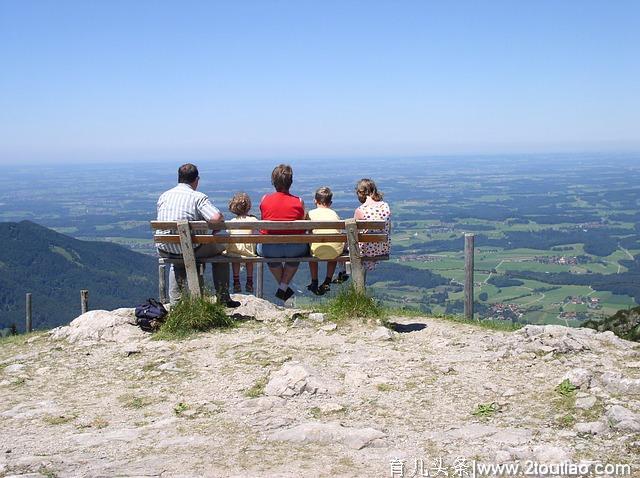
(54, 267)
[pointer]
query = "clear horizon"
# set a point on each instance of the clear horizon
(148, 81)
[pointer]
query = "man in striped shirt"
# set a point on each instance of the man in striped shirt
(184, 202)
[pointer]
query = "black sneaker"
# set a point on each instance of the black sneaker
(231, 304)
(281, 294)
(324, 288)
(342, 277)
(288, 294)
(315, 289)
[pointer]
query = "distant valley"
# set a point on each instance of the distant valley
(557, 236)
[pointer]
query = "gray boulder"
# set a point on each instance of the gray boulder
(294, 379)
(623, 419)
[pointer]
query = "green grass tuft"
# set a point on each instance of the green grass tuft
(350, 304)
(566, 388)
(180, 408)
(485, 410)
(257, 389)
(191, 315)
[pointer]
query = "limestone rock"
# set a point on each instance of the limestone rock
(592, 428)
(382, 333)
(555, 338)
(329, 327)
(585, 403)
(549, 454)
(579, 377)
(261, 404)
(300, 323)
(101, 325)
(260, 309)
(615, 382)
(14, 368)
(317, 317)
(294, 379)
(623, 419)
(32, 409)
(333, 432)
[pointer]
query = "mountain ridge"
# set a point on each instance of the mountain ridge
(55, 267)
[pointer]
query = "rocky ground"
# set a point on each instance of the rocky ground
(285, 397)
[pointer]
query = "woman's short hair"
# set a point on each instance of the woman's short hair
(282, 178)
(240, 204)
(367, 187)
(324, 196)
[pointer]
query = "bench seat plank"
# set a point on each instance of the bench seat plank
(269, 225)
(268, 238)
(259, 260)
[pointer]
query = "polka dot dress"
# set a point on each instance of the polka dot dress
(376, 211)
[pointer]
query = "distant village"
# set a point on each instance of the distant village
(562, 260)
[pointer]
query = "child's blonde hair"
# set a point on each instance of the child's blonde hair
(324, 196)
(240, 204)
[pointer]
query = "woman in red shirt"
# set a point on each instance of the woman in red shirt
(282, 206)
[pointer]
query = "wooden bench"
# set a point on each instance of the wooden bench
(187, 234)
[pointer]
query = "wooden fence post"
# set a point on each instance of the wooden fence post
(193, 278)
(468, 275)
(162, 284)
(355, 256)
(84, 301)
(28, 317)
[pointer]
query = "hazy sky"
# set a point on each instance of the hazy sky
(132, 79)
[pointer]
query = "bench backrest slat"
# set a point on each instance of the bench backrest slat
(269, 239)
(303, 225)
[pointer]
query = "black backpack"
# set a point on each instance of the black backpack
(150, 315)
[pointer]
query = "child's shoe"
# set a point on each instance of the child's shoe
(248, 287)
(313, 287)
(236, 288)
(342, 277)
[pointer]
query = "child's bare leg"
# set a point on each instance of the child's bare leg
(313, 268)
(331, 268)
(249, 285)
(235, 267)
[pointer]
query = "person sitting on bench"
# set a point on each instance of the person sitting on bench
(184, 202)
(282, 206)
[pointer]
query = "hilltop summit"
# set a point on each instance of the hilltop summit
(294, 395)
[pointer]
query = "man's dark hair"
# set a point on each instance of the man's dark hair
(282, 178)
(324, 196)
(187, 173)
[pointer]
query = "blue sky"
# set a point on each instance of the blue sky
(105, 80)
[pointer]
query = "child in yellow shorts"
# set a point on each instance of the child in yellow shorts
(324, 250)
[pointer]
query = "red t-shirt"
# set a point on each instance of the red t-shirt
(281, 207)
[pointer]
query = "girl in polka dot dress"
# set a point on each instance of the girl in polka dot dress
(373, 208)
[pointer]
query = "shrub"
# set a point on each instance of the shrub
(190, 315)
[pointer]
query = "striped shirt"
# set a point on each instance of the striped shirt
(182, 203)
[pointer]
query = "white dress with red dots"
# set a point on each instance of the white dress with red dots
(376, 211)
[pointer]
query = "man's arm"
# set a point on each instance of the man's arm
(209, 212)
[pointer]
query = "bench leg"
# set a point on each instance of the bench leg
(162, 284)
(260, 280)
(357, 270)
(186, 245)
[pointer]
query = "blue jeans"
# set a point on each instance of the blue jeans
(283, 250)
